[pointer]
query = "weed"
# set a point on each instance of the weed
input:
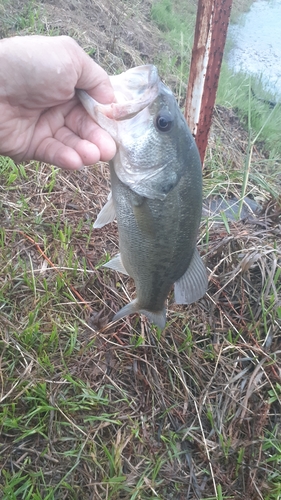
(177, 22)
(235, 91)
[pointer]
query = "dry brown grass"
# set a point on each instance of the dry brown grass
(173, 411)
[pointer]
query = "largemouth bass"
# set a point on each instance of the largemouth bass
(156, 181)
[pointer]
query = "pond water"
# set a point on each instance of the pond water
(257, 44)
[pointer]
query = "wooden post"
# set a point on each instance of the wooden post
(207, 53)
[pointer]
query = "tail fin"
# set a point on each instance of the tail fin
(158, 318)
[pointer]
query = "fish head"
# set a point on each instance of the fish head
(154, 146)
(153, 139)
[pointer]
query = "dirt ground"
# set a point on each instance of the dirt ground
(194, 402)
(117, 34)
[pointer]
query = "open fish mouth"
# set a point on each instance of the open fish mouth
(134, 90)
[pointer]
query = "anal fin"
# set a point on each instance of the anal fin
(116, 264)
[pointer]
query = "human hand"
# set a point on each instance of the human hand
(41, 118)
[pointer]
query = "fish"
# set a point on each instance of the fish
(156, 193)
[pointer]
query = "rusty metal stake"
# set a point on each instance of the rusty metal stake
(209, 41)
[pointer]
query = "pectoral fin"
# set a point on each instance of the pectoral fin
(116, 264)
(142, 213)
(107, 213)
(193, 284)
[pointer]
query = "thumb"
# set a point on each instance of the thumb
(92, 77)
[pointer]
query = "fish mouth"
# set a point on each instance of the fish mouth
(134, 90)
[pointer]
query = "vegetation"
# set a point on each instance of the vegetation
(177, 20)
(93, 410)
(245, 93)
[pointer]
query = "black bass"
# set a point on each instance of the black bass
(156, 181)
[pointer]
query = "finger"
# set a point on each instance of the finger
(104, 142)
(83, 126)
(55, 153)
(102, 147)
(95, 81)
(92, 77)
(88, 152)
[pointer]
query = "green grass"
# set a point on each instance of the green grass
(176, 21)
(29, 19)
(81, 413)
(235, 91)
(272, 449)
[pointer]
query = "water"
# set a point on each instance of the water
(257, 44)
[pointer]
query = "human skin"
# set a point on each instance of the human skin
(41, 118)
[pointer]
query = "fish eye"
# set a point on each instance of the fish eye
(164, 121)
